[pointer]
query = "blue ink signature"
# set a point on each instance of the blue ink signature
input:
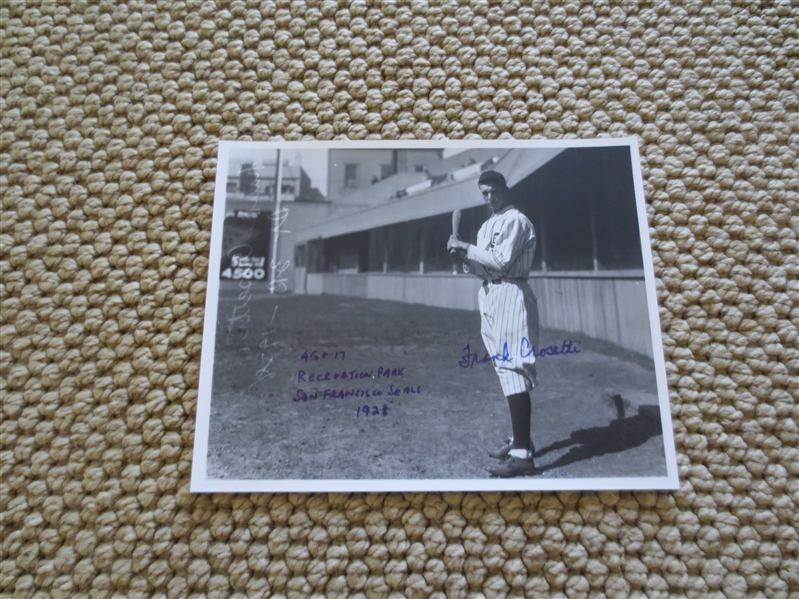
(526, 349)
(469, 358)
(567, 347)
(505, 357)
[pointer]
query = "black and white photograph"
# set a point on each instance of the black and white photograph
(431, 316)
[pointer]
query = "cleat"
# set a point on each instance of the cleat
(513, 466)
(502, 452)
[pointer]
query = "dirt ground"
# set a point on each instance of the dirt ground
(261, 429)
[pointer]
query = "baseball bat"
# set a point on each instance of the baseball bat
(456, 224)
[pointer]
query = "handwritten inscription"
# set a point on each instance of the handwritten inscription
(527, 349)
(246, 267)
(240, 316)
(470, 358)
(324, 394)
(280, 283)
(375, 411)
(372, 374)
(336, 394)
(264, 345)
(504, 356)
(304, 377)
(317, 354)
(392, 390)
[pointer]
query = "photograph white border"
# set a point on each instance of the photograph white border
(201, 484)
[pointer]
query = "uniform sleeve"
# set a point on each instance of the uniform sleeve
(512, 238)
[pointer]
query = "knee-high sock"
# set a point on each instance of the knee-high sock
(519, 404)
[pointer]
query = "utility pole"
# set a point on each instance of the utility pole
(276, 220)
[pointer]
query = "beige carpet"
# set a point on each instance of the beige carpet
(111, 116)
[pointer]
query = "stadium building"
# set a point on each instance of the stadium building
(387, 240)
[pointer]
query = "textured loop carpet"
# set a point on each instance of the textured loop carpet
(111, 116)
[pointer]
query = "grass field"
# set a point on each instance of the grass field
(448, 412)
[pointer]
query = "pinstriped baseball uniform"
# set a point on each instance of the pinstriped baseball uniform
(502, 258)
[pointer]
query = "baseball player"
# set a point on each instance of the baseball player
(502, 259)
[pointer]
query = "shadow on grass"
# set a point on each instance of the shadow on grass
(620, 435)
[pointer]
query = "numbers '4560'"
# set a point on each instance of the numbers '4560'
(245, 267)
(243, 273)
(371, 411)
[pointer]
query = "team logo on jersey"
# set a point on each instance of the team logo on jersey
(494, 238)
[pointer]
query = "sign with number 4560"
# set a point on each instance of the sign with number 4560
(245, 267)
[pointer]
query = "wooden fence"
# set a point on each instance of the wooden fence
(606, 305)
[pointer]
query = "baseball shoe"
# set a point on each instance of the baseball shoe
(513, 466)
(502, 452)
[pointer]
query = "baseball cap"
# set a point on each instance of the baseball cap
(492, 178)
